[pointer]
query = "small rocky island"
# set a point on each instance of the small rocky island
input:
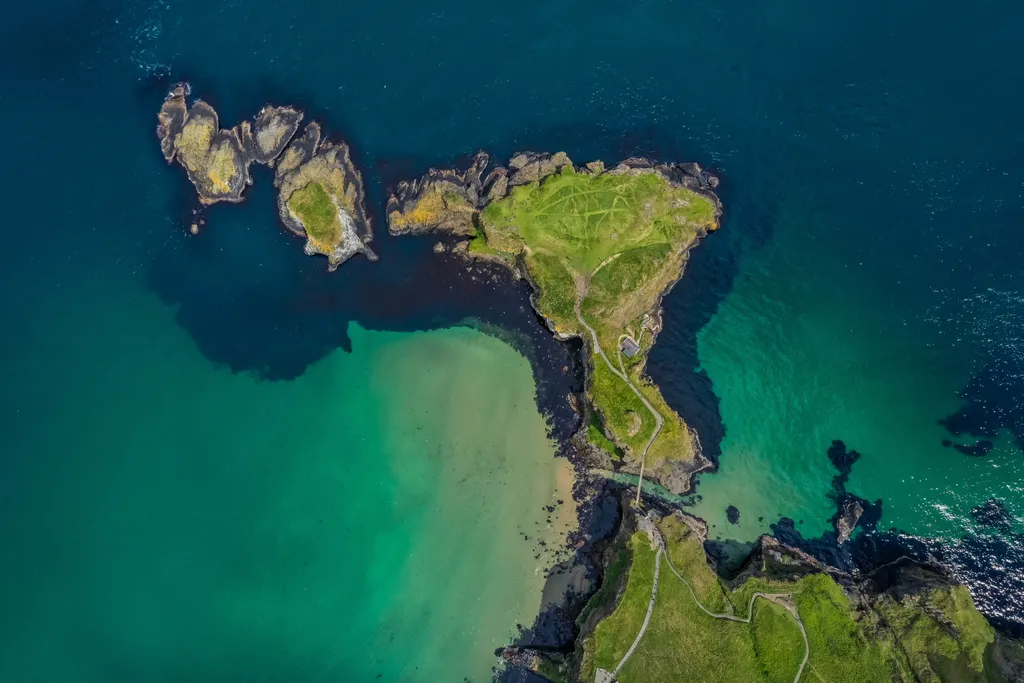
(320, 191)
(601, 247)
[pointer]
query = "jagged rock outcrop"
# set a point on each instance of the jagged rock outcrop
(320, 191)
(849, 514)
(442, 200)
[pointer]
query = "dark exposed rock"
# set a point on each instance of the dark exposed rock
(849, 515)
(732, 513)
(171, 119)
(443, 200)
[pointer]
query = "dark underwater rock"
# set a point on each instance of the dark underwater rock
(993, 513)
(732, 513)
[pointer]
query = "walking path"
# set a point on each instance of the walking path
(659, 421)
(777, 598)
(647, 619)
(782, 599)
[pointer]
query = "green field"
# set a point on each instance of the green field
(615, 242)
(318, 214)
(937, 635)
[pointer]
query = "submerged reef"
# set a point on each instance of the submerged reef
(320, 190)
(600, 247)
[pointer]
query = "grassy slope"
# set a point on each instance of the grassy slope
(902, 641)
(318, 213)
(622, 240)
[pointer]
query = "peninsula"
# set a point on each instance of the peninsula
(601, 247)
(320, 191)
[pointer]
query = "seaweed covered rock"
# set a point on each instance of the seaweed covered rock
(320, 195)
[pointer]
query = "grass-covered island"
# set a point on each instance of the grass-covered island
(320, 191)
(601, 246)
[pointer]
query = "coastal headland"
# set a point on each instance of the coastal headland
(320, 191)
(601, 247)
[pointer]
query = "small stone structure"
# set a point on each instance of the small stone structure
(629, 347)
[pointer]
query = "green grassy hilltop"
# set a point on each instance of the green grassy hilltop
(614, 242)
(935, 634)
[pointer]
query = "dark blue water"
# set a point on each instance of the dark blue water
(881, 144)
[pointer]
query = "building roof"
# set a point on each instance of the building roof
(629, 347)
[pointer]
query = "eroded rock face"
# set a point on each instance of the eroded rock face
(320, 190)
(445, 200)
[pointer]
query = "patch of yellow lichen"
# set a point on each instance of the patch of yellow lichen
(429, 210)
(221, 167)
(193, 143)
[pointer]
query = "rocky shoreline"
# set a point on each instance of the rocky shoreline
(321, 196)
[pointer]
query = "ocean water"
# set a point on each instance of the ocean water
(175, 521)
(168, 403)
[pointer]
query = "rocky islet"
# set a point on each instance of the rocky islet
(320, 190)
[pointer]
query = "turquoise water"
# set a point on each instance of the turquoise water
(882, 398)
(361, 523)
